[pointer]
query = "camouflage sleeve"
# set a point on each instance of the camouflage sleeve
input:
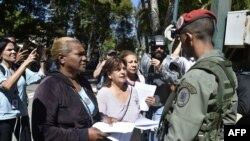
(191, 105)
(231, 114)
(144, 64)
(167, 74)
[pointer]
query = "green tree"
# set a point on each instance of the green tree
(16, 19)
(123, 25)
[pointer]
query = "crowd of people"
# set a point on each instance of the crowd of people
(197, 90)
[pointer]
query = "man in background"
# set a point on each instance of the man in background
(155, 68)
(98, 71)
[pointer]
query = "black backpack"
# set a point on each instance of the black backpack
(2, 69)
(4, 72)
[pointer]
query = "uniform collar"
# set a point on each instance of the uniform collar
(212, 53)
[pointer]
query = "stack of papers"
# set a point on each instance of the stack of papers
(126, 127)
(120, 127)
(144, 90)
(145, 124)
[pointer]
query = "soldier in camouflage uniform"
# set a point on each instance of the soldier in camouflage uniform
(204, 99)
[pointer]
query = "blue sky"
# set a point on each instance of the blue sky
(135, 2)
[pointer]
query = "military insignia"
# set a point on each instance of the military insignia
(183, 97)
(190, 87)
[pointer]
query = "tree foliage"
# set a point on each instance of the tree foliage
(166, 12)
(16, 18)
(240, 5)
(91, 21)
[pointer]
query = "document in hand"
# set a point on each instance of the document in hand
(145, 123)
(144, 90)
(119, 127)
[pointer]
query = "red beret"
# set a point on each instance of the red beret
(194, 15)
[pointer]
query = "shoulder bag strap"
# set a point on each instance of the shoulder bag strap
(127, 105)
(2, 69)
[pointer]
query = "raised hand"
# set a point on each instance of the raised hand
(31, 58)
(21, 54)
(156, 63)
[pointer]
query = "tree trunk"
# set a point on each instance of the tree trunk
(154, 17)
(89, 46)
(169, 13)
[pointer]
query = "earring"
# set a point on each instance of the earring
(110, 77)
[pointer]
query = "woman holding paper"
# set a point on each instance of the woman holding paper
(64, 106)
(117, 99)
(133, 74)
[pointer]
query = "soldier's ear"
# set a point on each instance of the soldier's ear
(190, 38)
(189, 35)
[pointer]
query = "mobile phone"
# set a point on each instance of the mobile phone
(39, 49)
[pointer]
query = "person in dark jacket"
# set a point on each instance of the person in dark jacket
(64, 106)
(243, 92)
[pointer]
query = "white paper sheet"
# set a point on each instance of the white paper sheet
(144, 90)
(147, 127)
(112, 138)
(125, 127)
(145, 124)
(119, 127)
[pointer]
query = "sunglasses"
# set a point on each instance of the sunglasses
(156, 47)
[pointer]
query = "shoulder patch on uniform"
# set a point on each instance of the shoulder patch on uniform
(189, 86)
(183, 97)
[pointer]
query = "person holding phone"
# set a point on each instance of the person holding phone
(13, 82)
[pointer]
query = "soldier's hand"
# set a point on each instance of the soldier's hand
(96, 134)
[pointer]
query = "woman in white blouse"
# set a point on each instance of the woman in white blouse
(117, 99)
